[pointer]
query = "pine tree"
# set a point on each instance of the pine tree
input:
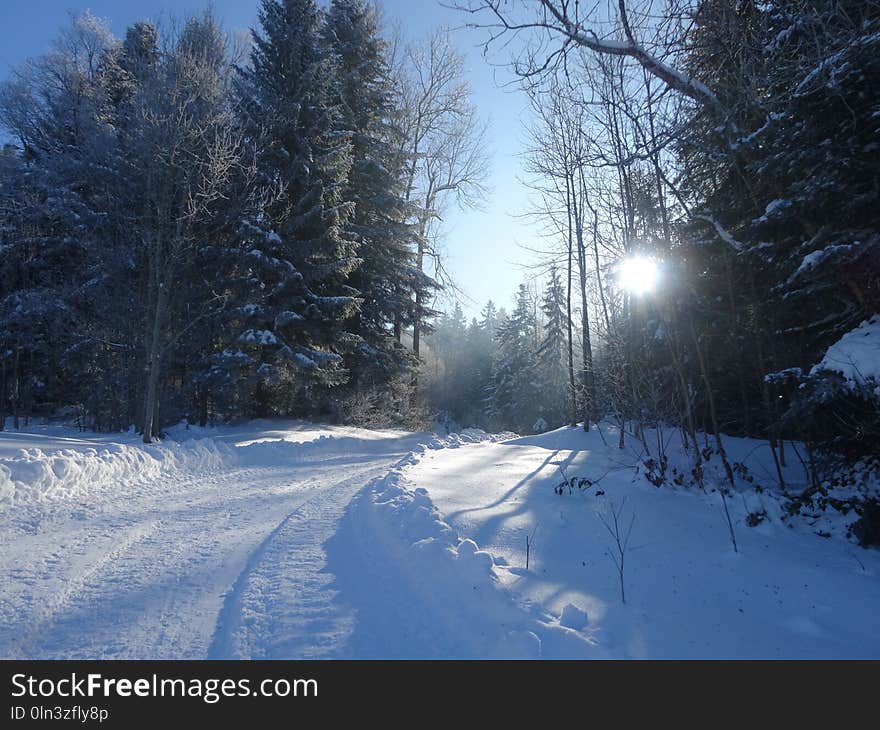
(55, 200)
(514, 393)
(795, 191)
(297, 253)
(550, 365)
(376, 184)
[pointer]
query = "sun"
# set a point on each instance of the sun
(638, 274)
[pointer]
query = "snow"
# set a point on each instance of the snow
(856, 355)
(574, 617)
(258, 337)
(284, 539)
(35, 475)
(304, 361)
(159, 562)
(786, 593)
(722, 232)
(286, 318)
(773, 208)
(430, 593)
(815, 258)
(64, 465)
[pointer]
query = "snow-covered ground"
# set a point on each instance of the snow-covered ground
(787, 592)
(293, 540)
(117, 550)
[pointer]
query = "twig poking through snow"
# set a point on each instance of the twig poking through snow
(729, 520)
(620, 541)
(530, 543)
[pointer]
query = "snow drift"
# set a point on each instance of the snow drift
(448, 581)
(856, 355)
(36, 474)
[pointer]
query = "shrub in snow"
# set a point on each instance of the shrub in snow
(620, 534)
(843, 501)
(571, 483)
(756, 517)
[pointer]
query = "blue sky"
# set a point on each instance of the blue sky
(481, 246)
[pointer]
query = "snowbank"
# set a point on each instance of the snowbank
(797, 588)
(30, 474)
(451, 578)
(35, 475)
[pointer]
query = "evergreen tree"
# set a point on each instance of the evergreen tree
(514, 393)
(376, 185)
(55, 201)
(794, 191)
(298, 253)
(550, 357)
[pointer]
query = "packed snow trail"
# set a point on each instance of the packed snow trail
(282, 604)
(159, 567)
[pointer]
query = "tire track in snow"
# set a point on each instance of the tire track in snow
(75, 584)
(282, 604)
(144, 571)
(160, 600)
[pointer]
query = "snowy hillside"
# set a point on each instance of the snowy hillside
(290, 540)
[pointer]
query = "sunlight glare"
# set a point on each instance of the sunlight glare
(638, 274)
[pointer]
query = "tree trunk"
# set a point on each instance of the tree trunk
(417, 326)
(203, 409)
(586, 346)
(678, 366)
(2, 393)
(570, 344)
(420, 263)
(589, 386)
(710, 399)
(769, 409)
(154, 358)
(16, 389)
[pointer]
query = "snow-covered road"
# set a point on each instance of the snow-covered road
(175, 565)
(298, 541)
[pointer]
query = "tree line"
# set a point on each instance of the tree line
(195, 229)
(200, 227)
(736, 146)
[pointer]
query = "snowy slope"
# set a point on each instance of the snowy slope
(786, 593)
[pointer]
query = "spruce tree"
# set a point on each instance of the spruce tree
(297, 253)
(514, 394)
(550, 363)
(376, 185)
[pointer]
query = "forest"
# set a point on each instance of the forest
(200, 226)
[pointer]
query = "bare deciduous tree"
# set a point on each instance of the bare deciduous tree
(444, 142)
